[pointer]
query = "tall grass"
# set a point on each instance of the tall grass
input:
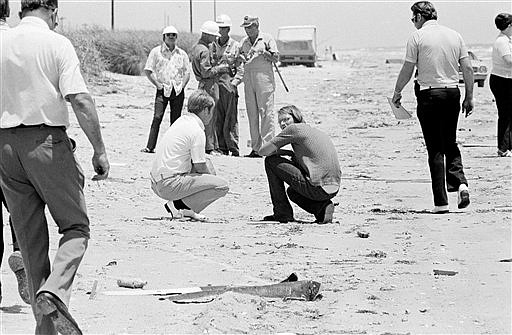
(119, 51)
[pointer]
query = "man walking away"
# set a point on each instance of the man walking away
(437, 51)
(259, 52)
(225, 51)
(15, 259)
(40, 72)
(167, 69)
(207, 74)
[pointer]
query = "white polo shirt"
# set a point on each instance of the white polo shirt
(183, 143)
(39, 69)
(502, 47)
(436, 51)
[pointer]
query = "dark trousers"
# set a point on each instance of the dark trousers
(227, 120)
(438, 113)
(175, 104)
(312, 199)
(38, 170)
(501, 88)
(14, 242)
(210, 129)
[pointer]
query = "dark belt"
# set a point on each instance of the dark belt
(41, 125)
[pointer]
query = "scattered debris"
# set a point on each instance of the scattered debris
(423, 310)
(363, 234)
(112, 263)
(366, 311)
(506, 260)
(131, 282)
(377, 254)
(444, 273)
(373, 297)
(93, 290)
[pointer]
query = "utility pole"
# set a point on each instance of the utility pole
(190, 7)
(214, 10)
(112, 14)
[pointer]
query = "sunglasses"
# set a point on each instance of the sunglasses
(171, 35)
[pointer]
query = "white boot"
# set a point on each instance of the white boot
(193, 215)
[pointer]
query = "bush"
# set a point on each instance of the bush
(119, 51)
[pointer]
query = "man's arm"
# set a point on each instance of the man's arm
(87, 117)
(508, 59)
(152, 78)
(467, 74)
(403, 78)
(203, 168)
(267, 149)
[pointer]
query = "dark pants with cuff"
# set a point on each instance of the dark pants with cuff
(38, 170)
(227, 121)
(501, 88)
(312, 199)
(175, 103)
(438, 113)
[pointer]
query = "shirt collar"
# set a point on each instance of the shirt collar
(429, 23)
(34, 21)
(198, 120)
(165, 48)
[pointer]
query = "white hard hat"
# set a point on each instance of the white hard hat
(210, 28)
(223, 21)
(170, 30)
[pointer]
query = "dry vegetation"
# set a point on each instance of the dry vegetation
(119, 51)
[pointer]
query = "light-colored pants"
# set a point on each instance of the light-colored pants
(259, 86)
(197, 191)
(38, 169)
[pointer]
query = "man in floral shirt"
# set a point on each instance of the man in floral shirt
(167, 68)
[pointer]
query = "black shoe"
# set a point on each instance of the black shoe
(16, 264)
(280, 220)
(51, 306)
(235, 153)
(326, 215)
(148, 151)
(463, 199)
(224, 152)
(253, 154)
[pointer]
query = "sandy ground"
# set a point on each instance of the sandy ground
(385, 191)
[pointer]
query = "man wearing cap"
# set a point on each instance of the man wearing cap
(259, 51)
(40, 74)
(437, 52)
(167, 69)
(207, 74)
(225, 51)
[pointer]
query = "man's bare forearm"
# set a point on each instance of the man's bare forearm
(87, 117)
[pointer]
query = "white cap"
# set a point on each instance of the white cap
(170, 30)
(223, 21)
(210, 28)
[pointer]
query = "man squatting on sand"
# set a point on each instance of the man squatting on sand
(312, 172)
(15, 259)
(167, 69)
(40, 72)
(437, 51)
(181, 173)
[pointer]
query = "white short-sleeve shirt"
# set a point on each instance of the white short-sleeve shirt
(39, 69)
(182, 144)
(436, 50)
(502, 47)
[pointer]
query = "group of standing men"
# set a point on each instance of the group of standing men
(220, 64)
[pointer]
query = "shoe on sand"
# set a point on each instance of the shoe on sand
(188, 213)
(463, 196)
(441, 209)
(16, 264)
(506, 153)
(328, 214)
(274, 218)
(51, 306)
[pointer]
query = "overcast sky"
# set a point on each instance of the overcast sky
(341, 24)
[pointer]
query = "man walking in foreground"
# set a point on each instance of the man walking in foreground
(437, 51)
(15, 259)
(167, 69)
(225, 51)
(207, 74)
(40, 72)
(259, 52)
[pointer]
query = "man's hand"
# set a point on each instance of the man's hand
(268, 56)
(467, 106)
(397, 96)
(101, 166)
